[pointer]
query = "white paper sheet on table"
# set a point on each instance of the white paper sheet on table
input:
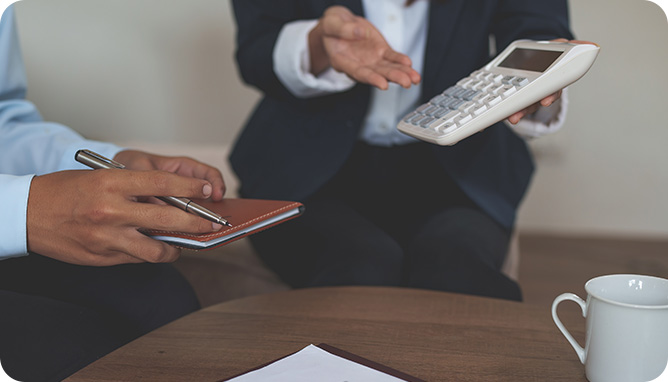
(314, 364)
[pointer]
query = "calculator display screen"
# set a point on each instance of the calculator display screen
(530, 59)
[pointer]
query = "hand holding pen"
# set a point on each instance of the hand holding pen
(93, 217)
(97, 161)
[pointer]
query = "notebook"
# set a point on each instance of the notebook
(247, 216)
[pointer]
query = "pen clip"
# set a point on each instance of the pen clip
(96, 156)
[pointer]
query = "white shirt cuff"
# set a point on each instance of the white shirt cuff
(14, 191)
(547, 120)
(292, 64)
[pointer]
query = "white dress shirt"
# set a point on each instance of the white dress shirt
(28, 145)
(405, 29)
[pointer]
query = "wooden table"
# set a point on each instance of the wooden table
(434, 336)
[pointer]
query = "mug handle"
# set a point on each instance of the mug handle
(563, 297)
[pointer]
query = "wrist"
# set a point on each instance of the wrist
(317, 53)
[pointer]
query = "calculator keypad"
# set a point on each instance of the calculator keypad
(469, 98)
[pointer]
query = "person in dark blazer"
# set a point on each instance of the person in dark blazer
(381, 207)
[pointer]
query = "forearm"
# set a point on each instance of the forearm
(38, 147)
(294, 59)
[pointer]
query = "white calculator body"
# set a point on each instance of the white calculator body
(523, 74)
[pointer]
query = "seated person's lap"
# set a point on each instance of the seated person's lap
(58, 317)
(391, 217)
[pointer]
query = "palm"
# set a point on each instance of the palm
(366, 57)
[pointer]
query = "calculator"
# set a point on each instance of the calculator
(523, 74)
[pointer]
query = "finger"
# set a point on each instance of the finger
(169, 218)
(399, 74)
(214, 176)
(190, 167)
(583, 42)
(97, 259)
(365, 75)
(362, 74)
(146, 249)
(397, 58)
(158, 183)
(516, 117)
(403, 63)
(549, 100)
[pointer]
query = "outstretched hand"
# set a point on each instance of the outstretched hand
(352, 45)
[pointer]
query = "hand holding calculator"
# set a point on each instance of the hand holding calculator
(523, 74)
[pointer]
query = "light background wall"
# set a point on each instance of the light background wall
(162, 73)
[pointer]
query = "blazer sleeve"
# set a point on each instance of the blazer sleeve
(530, 19)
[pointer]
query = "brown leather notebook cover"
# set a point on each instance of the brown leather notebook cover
(349, 356)
(247, 216)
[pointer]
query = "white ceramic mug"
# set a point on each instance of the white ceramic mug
(626, 328)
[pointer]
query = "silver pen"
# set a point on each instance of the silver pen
(97, 161)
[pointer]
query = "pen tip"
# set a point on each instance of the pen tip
(228, 224)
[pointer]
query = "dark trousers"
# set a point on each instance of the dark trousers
(56, 318)
(391, 217)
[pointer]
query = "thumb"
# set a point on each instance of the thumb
(339, 22)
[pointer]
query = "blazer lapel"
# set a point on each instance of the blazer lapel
(443, 16)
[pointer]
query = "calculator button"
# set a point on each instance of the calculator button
(423, 108)
(467, 107)
(456, 104)
(448, 101)
(446, 127)
(520, 81)
(450, 115)
(417, 119)
(451, 91)
(479, 110)
(462, 119)
(470, 94)
(479, 97)
(410, 116)
(465, 82)
(479, 85)
(427, 121)
(487, 87)
(460, 92)
(494, 100)
(478, 74)
(430, 110)
(497, 78)
(497, 88)
(507, 90)
(442, 112)
(507, 79)
(438, 99)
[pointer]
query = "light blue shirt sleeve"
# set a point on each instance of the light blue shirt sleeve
(28, 145)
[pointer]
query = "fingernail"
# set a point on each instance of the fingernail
(216, 226)
(207, 190)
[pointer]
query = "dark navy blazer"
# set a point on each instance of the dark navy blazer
(290, 147)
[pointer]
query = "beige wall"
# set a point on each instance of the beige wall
(162, 72)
